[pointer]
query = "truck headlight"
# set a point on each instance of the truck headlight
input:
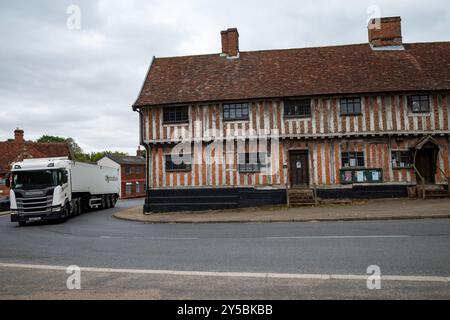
(56, 209)
(14, 211)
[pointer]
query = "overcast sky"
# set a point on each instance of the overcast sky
(81, 83)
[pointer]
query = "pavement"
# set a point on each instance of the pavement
(380, 209)
(295, 260)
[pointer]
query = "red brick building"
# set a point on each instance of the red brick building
(18, 149)
(131, 172)
(354, 121)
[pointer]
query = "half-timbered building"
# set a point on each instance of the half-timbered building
(252, 128)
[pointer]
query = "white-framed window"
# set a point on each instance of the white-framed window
(138, 187)
(128, 188)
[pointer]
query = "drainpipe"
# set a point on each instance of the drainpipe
(142, 142)
(147, 157)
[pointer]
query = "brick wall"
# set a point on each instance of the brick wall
(133, 181)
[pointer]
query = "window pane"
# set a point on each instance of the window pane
(238, 113)
(350, 108)
(343, 108)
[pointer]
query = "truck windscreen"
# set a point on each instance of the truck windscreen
(34, 179)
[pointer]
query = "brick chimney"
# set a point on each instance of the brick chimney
(139, 152)
(230, 43)
(385, 32)
(18, 136)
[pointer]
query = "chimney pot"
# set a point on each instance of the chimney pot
(18, 136)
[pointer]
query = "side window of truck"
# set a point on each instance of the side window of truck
(63, 176)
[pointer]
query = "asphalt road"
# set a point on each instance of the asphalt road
(413, 248)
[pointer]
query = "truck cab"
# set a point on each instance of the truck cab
(40, 190)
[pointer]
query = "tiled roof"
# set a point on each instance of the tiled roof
(127, 159)
(11, 152)
(297, 72)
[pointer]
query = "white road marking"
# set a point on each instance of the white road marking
(339, 237)
(163, 238)
(268, 238)
(146, 238)
(233, 274)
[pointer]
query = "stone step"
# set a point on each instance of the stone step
(301, 197)
(433, 191)
(306, 204)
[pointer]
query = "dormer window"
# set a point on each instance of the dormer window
(419, 103)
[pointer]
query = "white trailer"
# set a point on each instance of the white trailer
(56, 188)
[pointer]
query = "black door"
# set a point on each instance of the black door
(426, 163)
(299, 168)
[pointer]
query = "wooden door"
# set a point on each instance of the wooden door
(299, 168)
(426, 164)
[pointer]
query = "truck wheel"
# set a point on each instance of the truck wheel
(113, 201)
(77, 209)
(84, 205)
(80, 207)
(64, 214)
(73, 210)
(103, 205)
(109, 202)
(22, 223)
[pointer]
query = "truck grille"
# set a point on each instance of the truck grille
(35, 205)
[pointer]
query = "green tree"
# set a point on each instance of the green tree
(78, 153)
(51, 139)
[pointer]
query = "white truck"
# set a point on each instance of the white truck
(57, 188)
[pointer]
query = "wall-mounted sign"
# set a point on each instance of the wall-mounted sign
(361, 175)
